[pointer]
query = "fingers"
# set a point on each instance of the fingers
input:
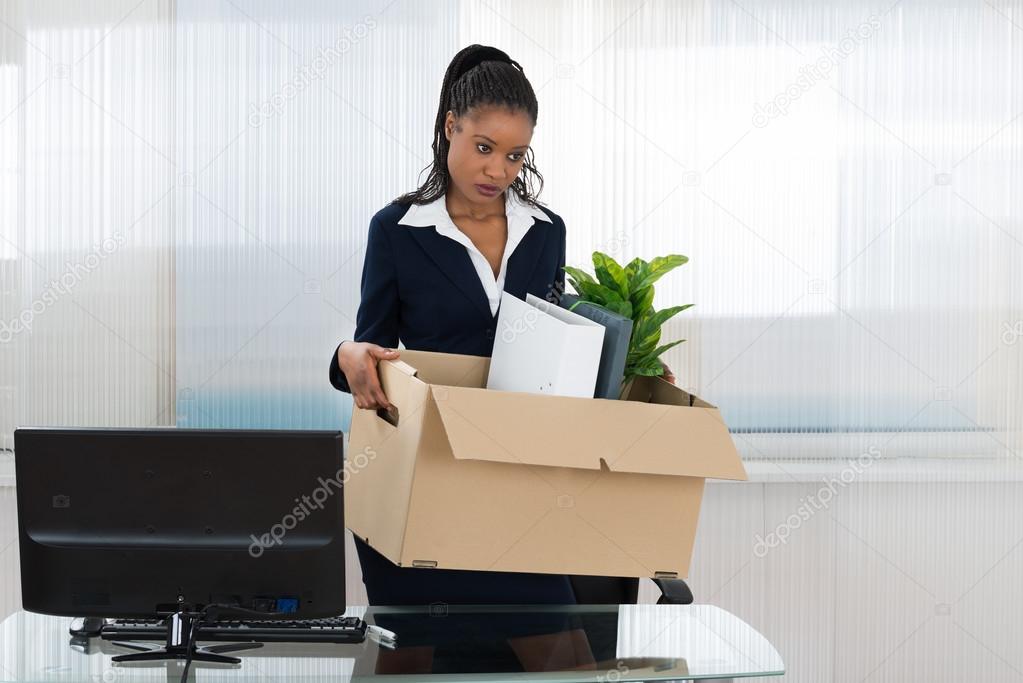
(376, 392)
(382, 353)
(667, 375)
(372, 400)
(371, 394)
(381, 399)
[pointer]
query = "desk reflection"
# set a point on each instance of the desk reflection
(495, 640)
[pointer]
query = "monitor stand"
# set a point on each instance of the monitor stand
(179, 632)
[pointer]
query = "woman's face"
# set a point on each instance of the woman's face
(487, 149)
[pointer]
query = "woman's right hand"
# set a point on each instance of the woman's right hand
(358, 360)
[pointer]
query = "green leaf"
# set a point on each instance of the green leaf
(590, 291)
(658, 318)
(642, 299)
(659, 267)
(630, 269)
(610, 274)
(623, 308)
(643, 330)
(579, 275)
(659, 351)
(640, 272)
(649, 370)
(646, 344)
(599, 294)
(610, 296)
(655, 355)
(647, 332)
(629, 291)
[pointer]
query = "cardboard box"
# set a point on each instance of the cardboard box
(463, 477)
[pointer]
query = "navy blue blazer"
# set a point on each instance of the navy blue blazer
(422, 288)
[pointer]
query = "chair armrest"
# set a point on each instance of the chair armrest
(673, 592)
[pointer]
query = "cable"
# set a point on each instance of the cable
(191, 647)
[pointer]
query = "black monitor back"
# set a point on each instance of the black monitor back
(121, 522)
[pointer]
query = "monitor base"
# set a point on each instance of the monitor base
(180, 645)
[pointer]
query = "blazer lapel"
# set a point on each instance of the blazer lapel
(523, 261)
(454, 261)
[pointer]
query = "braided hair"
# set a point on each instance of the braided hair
(477, 76)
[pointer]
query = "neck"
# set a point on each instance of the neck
(460, 205)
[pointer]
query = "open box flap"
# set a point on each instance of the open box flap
(622, 436)
(445, 368)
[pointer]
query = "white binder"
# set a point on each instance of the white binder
(541, 348)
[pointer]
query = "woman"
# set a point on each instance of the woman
(437, 260)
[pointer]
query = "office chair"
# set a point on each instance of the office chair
(613, 590)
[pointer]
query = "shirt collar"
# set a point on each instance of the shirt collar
(436, 212)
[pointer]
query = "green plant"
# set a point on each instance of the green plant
(629, 292)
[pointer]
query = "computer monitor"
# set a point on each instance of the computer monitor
(136, 522)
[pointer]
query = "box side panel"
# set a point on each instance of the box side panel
(381, 465)
(491, 516)
(649, 520)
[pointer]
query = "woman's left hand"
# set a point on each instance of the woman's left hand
(668, 375)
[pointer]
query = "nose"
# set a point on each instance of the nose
(495, 171)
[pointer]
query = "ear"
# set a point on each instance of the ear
(449, 125)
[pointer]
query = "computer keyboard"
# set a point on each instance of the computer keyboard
(329, 630)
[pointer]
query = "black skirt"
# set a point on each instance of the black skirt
(389, 584)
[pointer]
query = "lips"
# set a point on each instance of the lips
(488, 189)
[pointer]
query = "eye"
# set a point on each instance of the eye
(516, 156)
(480, 146)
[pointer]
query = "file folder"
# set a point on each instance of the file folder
(541, 348)
(615, 351)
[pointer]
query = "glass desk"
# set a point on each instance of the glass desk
(606, 643)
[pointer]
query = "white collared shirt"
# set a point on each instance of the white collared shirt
(520, 219)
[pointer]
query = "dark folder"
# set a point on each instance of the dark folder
(617, 332)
